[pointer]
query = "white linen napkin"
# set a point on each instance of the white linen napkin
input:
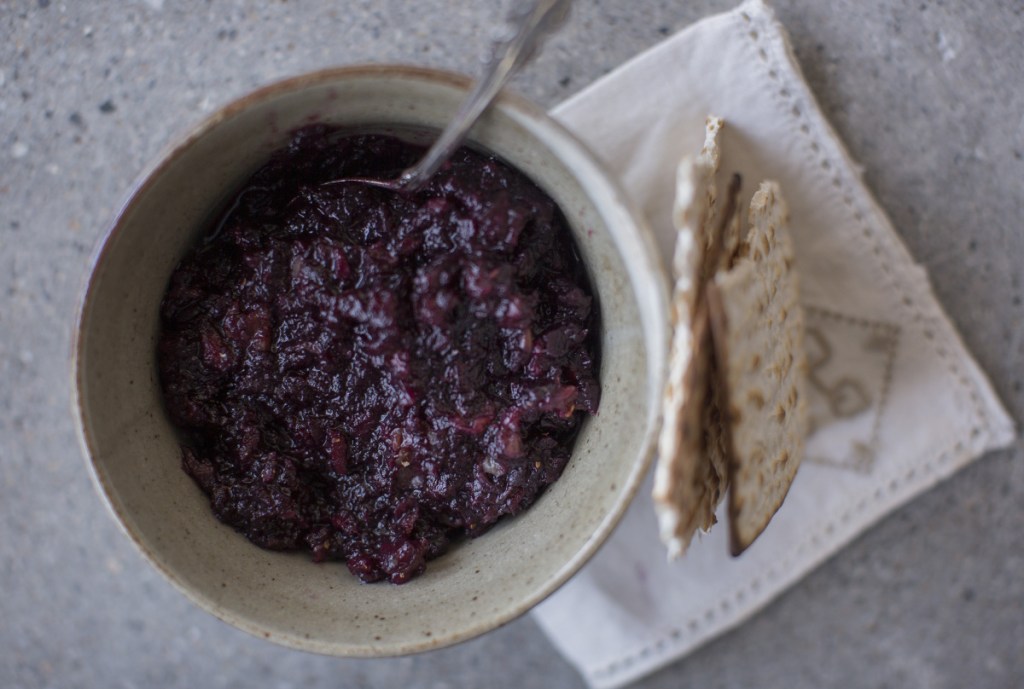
(897, 402)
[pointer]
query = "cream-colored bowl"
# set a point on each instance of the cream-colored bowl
(133, 450)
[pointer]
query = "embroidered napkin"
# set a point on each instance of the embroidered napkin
(897, 403)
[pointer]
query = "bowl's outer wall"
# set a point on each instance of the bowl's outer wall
(480, 583)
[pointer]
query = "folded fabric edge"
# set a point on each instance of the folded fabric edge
(648, 54)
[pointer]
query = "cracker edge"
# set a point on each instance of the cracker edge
(683, 464)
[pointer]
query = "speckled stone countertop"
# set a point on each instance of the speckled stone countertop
(929, 96)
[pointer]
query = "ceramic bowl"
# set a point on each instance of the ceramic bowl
(134, 454)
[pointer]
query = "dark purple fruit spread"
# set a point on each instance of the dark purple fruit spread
(368, 375)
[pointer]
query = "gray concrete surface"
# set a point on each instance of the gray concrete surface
(928, 95)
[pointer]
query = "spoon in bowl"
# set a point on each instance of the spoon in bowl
(527, 24)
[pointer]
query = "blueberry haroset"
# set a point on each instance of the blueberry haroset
(368, 375)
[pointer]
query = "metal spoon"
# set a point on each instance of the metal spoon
(527, 24)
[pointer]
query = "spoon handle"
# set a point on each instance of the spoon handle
(528, 23)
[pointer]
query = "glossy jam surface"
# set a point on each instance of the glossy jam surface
(367, 375)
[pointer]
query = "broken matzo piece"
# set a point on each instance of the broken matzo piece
(758, 329)
(687, 486)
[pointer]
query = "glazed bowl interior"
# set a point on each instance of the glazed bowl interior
(479, 584)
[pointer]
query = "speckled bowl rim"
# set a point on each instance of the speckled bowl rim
(599, 181)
